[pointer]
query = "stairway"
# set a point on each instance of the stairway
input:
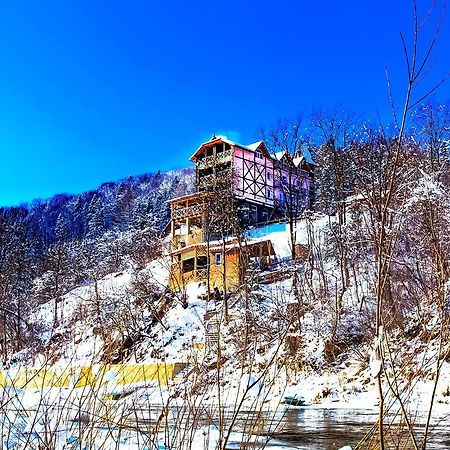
(211, 330)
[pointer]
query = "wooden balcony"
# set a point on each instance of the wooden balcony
(187, 211)
(212, 180)
(192, 205)
(218, 158)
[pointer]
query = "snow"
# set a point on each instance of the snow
(305, 156)
(251, 147)
(178, 337)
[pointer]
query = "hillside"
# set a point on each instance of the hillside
(270, 346)
(348, 309)
(49, 247)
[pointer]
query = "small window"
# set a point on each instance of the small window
(269, 193)
(254, 214)
(218, 259)
(269, 175)
(258, 155)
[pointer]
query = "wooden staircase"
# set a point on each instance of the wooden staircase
(212, 333)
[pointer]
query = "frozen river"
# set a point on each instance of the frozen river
(315, 428)
(306, 428)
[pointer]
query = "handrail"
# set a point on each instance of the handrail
(218, 158)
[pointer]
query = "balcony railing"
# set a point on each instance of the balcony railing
(198, 275)
(218, 158)
(187, 211)
(212, 180)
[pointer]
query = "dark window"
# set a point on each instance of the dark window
(218, 259)
(254, 214)
(202, 262)
(188, 265)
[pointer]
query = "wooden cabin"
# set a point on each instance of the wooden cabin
(217, 264)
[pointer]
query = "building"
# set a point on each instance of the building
(235, 184)
(262, 184)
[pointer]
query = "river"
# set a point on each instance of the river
(319, 428)
(316, 428)
(305, 428)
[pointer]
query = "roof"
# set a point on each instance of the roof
(194, 196)
(215, 139)
(253, 147)
(231, 244)
(297, 160)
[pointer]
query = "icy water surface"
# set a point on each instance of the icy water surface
(305, 428)
(313, 428)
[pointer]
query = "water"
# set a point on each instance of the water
(315, 428)
(305, 428)
(320, 429)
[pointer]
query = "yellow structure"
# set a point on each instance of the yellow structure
(113, 375)
(219, 264)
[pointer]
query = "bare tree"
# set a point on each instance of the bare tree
(386, 224)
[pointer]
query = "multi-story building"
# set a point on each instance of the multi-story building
(261, 183)
(259, 187)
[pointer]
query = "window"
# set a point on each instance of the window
(269, 175)
(254, 214)
(218, 259)
(202, 262)
(269, 193)
(258, 155)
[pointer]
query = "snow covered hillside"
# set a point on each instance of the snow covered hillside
(272, 326)
(301, 328)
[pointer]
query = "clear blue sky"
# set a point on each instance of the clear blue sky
(94, 91)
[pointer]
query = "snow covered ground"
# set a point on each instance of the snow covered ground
(248, 369)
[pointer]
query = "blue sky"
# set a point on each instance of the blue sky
(96, 91)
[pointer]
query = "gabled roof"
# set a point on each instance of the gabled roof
(297, 160)
(256, 146)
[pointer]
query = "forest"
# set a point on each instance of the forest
(371, 290)
(48, 247)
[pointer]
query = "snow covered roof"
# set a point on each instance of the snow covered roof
(219, 138)
(279, 155)
(253, 147)
(231, 244)
(297, 160)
